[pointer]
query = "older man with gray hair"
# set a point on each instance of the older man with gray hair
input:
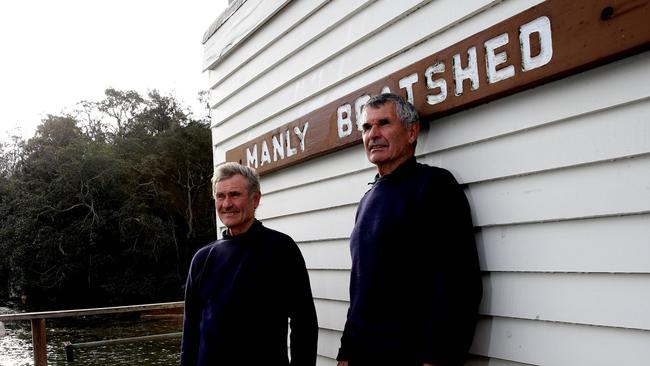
(245, 289)
(415, 284)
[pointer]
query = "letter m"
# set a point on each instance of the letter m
(251, 158)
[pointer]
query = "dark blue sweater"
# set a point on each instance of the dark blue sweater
(241, 291)
(415, 284)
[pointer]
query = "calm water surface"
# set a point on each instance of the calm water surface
(16, 344)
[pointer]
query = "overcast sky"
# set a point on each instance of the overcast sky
(55, 53)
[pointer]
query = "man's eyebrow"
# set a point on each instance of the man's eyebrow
(229, 192)
(381, 120)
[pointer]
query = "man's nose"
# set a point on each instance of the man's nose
(226, 202)
(373, 132)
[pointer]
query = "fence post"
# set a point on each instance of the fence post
(69, 351)
(39, 342)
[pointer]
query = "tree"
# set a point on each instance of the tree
(98, 213)
(10, 155)
(122, 106)
(204, 98)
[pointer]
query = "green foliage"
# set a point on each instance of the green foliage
(10, 155)
(106, 207)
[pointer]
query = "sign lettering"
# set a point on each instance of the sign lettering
(278, 145)
(544, 43)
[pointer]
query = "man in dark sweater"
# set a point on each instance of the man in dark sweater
(415, 284)
(245, 289)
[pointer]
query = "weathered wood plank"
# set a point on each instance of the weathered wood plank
(601, 299)
(617, 244)
(560, 344)
(92, 311)
(605, 189)
(39, 341)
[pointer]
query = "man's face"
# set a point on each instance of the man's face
(235, 206)
(387, 142)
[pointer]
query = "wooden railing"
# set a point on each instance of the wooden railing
(38, 321)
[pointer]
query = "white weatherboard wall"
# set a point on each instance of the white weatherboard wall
(558, 176)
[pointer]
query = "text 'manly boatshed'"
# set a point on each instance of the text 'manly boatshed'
(541, 109)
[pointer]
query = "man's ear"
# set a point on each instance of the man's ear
(256, 199)
(413, 130)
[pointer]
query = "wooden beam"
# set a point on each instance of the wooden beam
(38, 321)
(39, 342)
(94, 311)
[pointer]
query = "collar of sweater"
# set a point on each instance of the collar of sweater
(255, 227)
(398, 172)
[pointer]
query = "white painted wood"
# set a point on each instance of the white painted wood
(250, 16)
(333, 165)
(333, 223)
(330, 254)
(611, 244)
(616, 188)
(218, 155)
(611, 133)
(558, 176)
(330, 284)
(316, 19)
(615, 300)
(351, 26)
(612, 300)
(274, 30)
(540, 343)
(339, 191)
(585, 191)
(544, 104)
(527, 109)
(536, 336)
(363, 64)
(484, 361)
(328, 343)
(325, 361)
(559, 344)
(620, 131)
(331, 314)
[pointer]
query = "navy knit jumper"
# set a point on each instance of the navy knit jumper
(415, 284)
(241, 291)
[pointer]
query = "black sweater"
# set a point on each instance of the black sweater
(415, 284)
(241, 291)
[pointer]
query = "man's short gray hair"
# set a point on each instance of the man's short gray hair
(403, 109)
(230, 169)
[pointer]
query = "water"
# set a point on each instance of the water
(16, 344)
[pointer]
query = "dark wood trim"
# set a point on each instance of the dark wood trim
(93, 311)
